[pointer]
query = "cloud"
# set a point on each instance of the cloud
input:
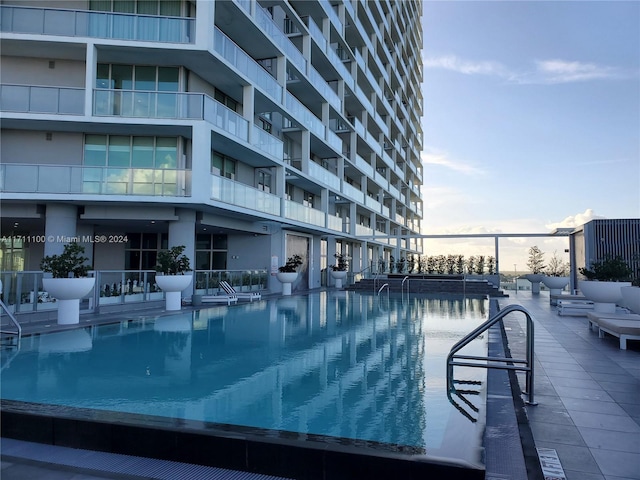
(545, 72)
(575, 220)
(466, 67)
(431, 157)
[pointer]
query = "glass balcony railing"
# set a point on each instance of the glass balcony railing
(363, 230)
(264, 20)
(82, 23)
(78, 179)
(323, 175)
(304, 116)
(246, 65)
(385, 211)
(334, 140)
(364, 166)
(334, 223)
(380, 180)
(302, 213)
(37, 99)
(325, 90)
(352, 192)
(394, 191)
(225, 119)
(240, 195)
(333, 15)
(267, 143)
(372, 204)
(136, 103)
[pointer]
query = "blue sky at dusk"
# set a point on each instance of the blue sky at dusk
(531, 116)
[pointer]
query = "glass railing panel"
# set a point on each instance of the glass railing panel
(394, 191)
(268, 143)
(134, 103)
(372, 203)
(32, 99)
(264, 20)
(352, 192)
(235, 193)
(334, 140)
(81, 23)
(244, 4)
(325, 90)
(334, 223)
(304, 116)
(381, 180)
(317, 35)
(332, 14)
(302, 213)
(364, 166)
(246, 65)
(337, 62)
(323, 175)
(225, 119)
(385, 211)
(363, 230)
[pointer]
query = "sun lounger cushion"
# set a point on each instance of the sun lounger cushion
(623, 329)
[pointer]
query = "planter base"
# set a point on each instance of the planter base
(286, 288)
(338, 283)
(601, 307)
(69, 312)
(173, 300)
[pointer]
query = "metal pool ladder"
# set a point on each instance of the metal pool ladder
(525, 365)
(12, 333)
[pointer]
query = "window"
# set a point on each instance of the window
(264, 181)
(226, 100)
(308, 199)
(264, 124)
(131, 152)
(223, 165)
(137, 77)
(211, 252)
(142, 249)
(143, 7)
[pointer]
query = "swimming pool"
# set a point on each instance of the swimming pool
(336, 368)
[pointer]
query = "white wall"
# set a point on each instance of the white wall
(22, 146)
(36, 71)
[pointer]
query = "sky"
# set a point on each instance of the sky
(531, 120)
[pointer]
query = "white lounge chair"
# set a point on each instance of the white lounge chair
(228, 299)
(623, 329)
(251, 296)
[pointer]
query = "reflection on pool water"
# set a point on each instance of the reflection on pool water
(338, 364)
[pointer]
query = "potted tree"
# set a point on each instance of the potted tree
(172, 265)
(69, 283)
(339, 270)
(604, 282)
(556, 275)
(536, 265)
(288, 273)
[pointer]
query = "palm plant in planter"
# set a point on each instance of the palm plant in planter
(556, 274)
(536, 265)
(339, 270)
(604, 282)
(69, 283)
(288, 273)
(172, 264)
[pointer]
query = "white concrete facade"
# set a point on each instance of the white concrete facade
(266, 127)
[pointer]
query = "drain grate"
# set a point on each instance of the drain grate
(122, 464)
(550, 463)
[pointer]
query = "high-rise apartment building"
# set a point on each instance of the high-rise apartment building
(246, 130)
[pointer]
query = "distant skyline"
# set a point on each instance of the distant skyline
(531, 120)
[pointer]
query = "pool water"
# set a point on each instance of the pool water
(337, 364)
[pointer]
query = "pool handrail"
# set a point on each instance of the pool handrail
(497, 362)
(18, 332)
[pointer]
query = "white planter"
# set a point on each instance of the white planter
(631, 298)
(535, 279)
(286, 278)
(338, 276)
(555, 284)
(68, 292)
(172, 286)
(604, 295)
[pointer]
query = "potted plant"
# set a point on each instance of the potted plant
(172, 265)
(556, 275)
(69, 283)
(536, 265)
(339, 270)
(288, 273)
(604, 282)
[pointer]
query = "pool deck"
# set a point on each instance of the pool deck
(587, 389)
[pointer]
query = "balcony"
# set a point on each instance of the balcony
(352, 192)
(36, 99)
(136, 103)
(78, 179)
(240, 195)
(334, 223)
(323, 175)
(82, 23)
(302, 213)
(246, 65)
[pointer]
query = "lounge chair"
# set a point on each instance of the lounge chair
(251, 296)
(228, 299)
(623, 329)
(595, 317)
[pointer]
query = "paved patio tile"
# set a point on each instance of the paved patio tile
(595, 406)
(616, 423)
(621, 464)
(551, 432)
(632, 398)
(577, 475)
(576, 382)
(613, 378)
(621, 387)
(569, 374)
(610, 440)
(573, 458)
(584, 393)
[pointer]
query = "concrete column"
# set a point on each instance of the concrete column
(89, 78)
(60, 226)
(205, 13)
(306, 151)
(248, 108)
(183, 232)
(201, 163)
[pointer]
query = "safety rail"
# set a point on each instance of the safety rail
(402, 286)
(526, 365)
(18, 331)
